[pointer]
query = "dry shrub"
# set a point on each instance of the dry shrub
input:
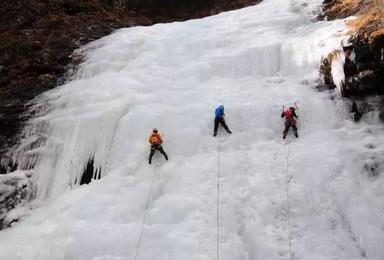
(370, 20)
(344, 8)
(370, 24)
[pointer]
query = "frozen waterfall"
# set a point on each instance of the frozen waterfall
(171, 76)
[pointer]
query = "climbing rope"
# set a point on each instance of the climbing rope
(218, 200)
(288, 205)
(145, 211)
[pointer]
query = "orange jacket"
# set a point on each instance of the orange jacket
(155, 138)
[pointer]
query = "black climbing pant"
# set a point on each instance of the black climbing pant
(157, 147)
(220, 120)
(288, 124)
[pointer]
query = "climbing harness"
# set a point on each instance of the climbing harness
(218, 199)
(288, 205)
(146, 210)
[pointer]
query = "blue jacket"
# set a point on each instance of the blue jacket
(219, 112)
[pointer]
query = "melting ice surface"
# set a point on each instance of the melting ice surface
(171, 76)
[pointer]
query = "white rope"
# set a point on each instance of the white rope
(145, 212)
(218, 200)
(288, 205)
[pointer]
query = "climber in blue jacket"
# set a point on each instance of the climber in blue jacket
(219, 118)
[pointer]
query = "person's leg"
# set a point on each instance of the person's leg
(222, 122)
(216, 126)
(153, 149)
(295, 130)
(161, 150)
(286, 129)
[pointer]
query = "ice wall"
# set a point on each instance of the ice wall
(159, 76)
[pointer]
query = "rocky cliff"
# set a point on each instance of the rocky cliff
(363, 53)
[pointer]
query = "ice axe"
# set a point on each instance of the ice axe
(296, 107)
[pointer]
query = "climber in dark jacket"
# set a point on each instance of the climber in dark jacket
(290, 120)
(219, 118)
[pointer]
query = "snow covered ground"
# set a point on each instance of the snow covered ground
(322, 193)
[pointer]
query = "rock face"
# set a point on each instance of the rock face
(38, 37)
(364, 67)
(363, 52)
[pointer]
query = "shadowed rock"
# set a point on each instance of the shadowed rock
(15, 188)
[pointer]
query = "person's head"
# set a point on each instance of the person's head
(221, 107)
(292, 109)
(155, 130)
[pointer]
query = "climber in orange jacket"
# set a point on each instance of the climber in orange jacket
(290, 120)
(155, 140)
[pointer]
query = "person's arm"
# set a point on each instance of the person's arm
(294, 115)
(160, 139)
(282, 114)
